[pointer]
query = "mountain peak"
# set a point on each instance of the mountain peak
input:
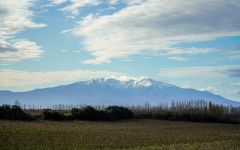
(127, 81)
(126, 78)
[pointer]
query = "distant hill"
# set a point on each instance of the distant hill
(110, 91)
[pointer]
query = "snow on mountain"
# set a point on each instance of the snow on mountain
(127, 82)
(121, 90)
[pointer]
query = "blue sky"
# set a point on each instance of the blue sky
(192, 44)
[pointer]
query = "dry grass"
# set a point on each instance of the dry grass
(135, 134)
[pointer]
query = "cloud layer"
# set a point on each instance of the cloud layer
(235, 72)
(157, 26)
(206, 72)
(26, 80)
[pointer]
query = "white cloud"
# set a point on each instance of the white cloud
(154, 25)
(17, 79)
(16, 16)
(19, 50)
(198, 72)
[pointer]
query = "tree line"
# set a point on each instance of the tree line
(198, 111)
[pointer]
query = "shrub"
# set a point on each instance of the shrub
(14, 113)
(118, 113)
(86, 113)
(53, 115)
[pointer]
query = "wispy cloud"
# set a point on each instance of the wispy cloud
(156, 26)
(59, 1)
(188, 51)
(177, 58)
(26, 80)
(76, 5)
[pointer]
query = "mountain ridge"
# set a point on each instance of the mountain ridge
(111, 91)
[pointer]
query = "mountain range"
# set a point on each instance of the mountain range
(112, 91)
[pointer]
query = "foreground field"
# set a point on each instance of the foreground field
(135, 134)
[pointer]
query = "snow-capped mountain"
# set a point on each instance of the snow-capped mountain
(113, 90)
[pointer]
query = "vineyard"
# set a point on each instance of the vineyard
(130, 135)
